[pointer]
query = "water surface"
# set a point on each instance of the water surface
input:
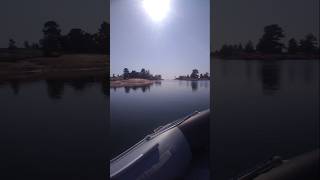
(136, 112)
(53, 129)
(261, 109)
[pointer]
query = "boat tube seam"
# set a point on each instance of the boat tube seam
(153, 135)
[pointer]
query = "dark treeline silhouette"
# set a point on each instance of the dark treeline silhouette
(12, 44)
(195, 76)
(26, 45)
(143, 74)
(271, 42)
(76, 40)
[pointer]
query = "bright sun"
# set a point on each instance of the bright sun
(157, 9)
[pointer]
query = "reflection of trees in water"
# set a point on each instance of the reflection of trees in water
(307, 72)
(55, 88)
(201, 84)
(291, 72)
(204, 83)
(135, 88)
(188, 83)
(105, 88)
(302, 69)
(15, 85)
(180, 83)
(127, 89)
(158, 83)
(78, 85)
(145, 88)
(194, 85)
(270, 73)
(224, 68)
(248, 70)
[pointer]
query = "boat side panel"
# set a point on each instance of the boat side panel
(167, 156)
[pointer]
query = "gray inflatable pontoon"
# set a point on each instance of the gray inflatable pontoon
(176, 150)
(301, 167)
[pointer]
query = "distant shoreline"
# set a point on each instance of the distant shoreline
(260, 56)
(131, 82)
(192, 79)
(63, 67)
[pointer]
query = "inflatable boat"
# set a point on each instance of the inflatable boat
(174, 151)
(304, 166)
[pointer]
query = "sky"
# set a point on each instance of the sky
(23, 20)
(235, 21)
(172, 46)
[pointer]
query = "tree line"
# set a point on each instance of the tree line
(76, 41)
(143, 74)
(195, 75)
(271, 42)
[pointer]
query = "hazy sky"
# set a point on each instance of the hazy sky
(171, 47)
(236, 21)
(24, 19)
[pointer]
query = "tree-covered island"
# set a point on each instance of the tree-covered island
(194, 76)
(271, 46)
(133, 78)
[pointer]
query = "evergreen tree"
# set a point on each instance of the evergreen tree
(126, 73)
(309, 44)
(240, 48)
(270, 41)
(76, 41)
(103, 37)
(194, 74)
(52, 37)
(35, 46)
(12, 44)
(227, 50)
(26, 44)
(249, 48)
(293, 46)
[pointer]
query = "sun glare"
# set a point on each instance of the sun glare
(157, 9)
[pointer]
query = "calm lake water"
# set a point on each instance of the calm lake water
(136, 112)
(59, 129)
(261, 109)
(53, 130)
